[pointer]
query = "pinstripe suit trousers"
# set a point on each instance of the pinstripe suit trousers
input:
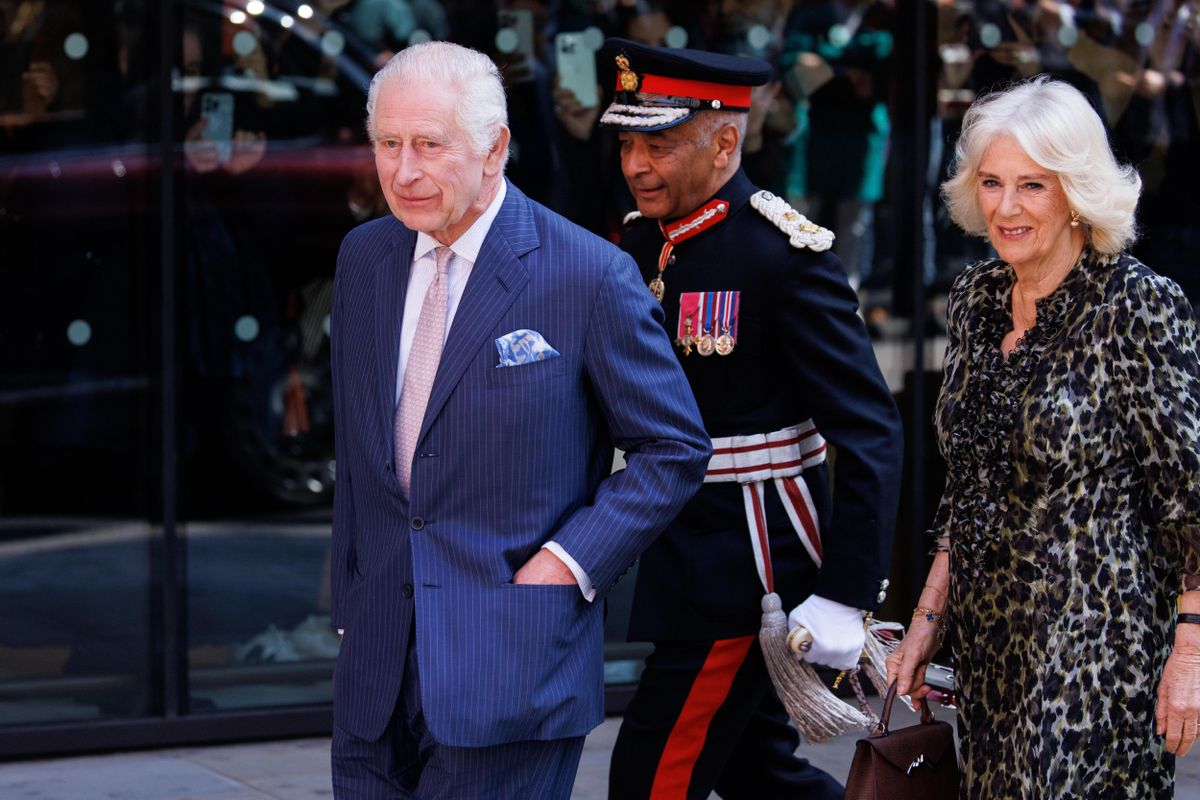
(406, 762)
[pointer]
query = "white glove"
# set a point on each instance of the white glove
(837, 631)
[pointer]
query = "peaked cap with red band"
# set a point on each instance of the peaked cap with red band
(660, 87)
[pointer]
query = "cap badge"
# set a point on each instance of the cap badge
(627, 77)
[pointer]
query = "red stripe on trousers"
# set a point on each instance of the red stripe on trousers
(685, 742)
(806, 520)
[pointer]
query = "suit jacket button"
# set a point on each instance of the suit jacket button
(406, 590)
(417, 523)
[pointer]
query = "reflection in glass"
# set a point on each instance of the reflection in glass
(73, 635)
(244, 43)
(267, 196)
(75, 46)
(79, 332)
(76, 369)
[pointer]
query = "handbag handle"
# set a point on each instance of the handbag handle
(881, 728)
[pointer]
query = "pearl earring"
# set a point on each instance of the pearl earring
(1074, 219)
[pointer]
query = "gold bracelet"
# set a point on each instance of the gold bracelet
(936, 617)
(928, 613)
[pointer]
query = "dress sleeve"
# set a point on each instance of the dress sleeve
(1155, 337)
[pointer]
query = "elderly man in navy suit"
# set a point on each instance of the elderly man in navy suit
(487, 357)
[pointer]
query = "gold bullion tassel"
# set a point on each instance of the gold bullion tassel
(876, 649)
(818, 714)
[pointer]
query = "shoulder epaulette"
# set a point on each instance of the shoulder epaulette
(631, 217)
(801, 232)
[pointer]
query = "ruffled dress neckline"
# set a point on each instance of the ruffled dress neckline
(996, 393)
(1051, 314)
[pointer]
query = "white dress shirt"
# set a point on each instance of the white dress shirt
(424, 267)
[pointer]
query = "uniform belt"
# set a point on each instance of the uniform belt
(762, 456)
(780, 456)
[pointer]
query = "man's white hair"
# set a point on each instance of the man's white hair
(1058, 129)
(480, 111)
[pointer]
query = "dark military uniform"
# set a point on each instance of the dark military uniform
(802, 353)
(705, 715)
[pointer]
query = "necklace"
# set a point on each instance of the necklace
(1021, 319)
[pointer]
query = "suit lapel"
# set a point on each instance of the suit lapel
(391, 285)
(496, 279)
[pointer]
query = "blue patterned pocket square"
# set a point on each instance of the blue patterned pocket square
(523, 347)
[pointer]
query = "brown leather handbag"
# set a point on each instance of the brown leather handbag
(914, 763)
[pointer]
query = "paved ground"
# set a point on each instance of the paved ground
(299, 770)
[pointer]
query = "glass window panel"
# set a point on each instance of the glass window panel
(77, 356)
(276, 172)
(1138, 64)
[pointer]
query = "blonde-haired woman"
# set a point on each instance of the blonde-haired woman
(1069, 417)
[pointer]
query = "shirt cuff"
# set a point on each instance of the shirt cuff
(581, 577)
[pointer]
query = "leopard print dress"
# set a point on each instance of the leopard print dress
(1071, 510)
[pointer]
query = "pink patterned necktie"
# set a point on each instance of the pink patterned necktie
(422, 366)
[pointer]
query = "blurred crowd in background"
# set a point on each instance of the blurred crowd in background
(819, 134)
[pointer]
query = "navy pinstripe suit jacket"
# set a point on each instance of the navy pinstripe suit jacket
(508, 459)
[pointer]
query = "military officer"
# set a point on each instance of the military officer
(765, 327)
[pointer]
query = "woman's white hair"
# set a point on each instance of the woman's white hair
(1058, 129)
(480, 111)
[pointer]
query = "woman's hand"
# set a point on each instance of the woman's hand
(1177, 714)
(906, 665)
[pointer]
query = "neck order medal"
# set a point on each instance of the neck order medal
(711, 213)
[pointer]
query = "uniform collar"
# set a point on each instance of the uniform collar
(737, 190)
(734, 194)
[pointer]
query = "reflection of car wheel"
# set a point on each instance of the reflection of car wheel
(284, 441)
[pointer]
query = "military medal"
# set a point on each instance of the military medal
(686, 340)
(724, 343)
(658, 288)
(727, 312)
(708, 343)
(689, 313)
(708, 322)
(701, 219)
